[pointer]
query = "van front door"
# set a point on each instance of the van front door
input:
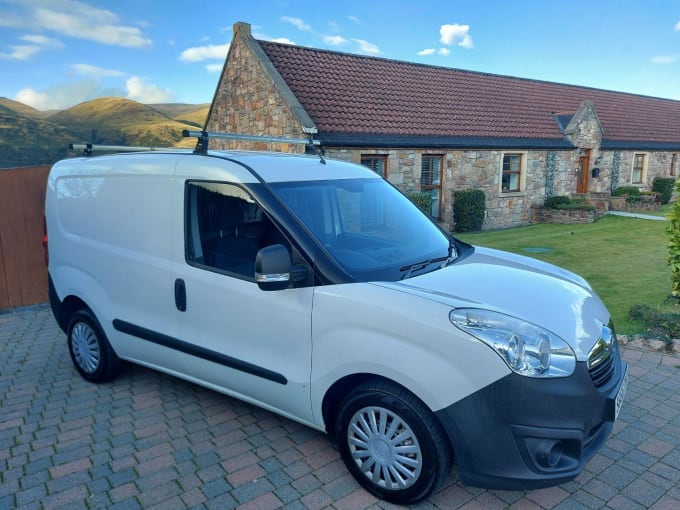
(252, 344)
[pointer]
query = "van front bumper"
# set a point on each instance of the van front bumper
(523, 433)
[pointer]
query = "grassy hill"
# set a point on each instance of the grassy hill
(29, 141)
(30, 137)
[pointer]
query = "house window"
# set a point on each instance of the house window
(431, 182)
(511, 180)
(674, 165)
(639, 164)
(376, 163)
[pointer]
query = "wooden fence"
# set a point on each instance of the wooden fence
(23, 273)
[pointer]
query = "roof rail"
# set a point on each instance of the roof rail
(89, 148)
(205, 136)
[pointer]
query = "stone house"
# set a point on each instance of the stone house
(436, 129)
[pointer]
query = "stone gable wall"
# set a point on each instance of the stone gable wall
(247, 102)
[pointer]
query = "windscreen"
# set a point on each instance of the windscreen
(371, 229)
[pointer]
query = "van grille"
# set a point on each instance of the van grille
(601, 359)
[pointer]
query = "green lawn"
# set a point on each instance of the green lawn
(624, 259)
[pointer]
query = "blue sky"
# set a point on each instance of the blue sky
(58, 53)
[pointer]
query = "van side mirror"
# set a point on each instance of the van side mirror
(273, 268)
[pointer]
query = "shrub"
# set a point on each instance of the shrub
(564, 202)
(664, 186)
(422, 199)
(556, 201)
(663, 324)
(630, 191)
(673, 236)
(469, 207)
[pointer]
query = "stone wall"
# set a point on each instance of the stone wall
(562, 216)
(248, 102)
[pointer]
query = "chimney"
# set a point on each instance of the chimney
(241, 27)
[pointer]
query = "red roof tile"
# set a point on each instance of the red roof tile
(346, 93)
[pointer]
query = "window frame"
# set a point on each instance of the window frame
(376, 157)
(438, 187)
(521, 173)
(642, 169)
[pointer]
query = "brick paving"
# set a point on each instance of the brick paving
(151, 441)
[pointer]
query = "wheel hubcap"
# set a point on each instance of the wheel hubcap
(385, 448)
(86, 350)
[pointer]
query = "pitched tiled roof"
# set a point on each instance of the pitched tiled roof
(351, 96)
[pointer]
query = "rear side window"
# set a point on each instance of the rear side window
(225, 228)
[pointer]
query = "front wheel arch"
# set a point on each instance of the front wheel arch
(391, 442)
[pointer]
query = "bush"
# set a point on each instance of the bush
(556, 201)
(630, 191)
(673, 236)
(660, 324)
(422, 200)
(564, 202)
(664, 186)
(469, 207)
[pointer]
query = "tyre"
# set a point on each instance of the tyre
(392, 443)
(89, 348)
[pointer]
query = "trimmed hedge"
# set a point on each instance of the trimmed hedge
(664, 186)
(564, 202)
(469, 207)
(631, 191)
(556, 201)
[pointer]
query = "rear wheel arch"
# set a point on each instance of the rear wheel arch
(89, 348)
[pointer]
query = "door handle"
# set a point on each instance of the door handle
(180, 295)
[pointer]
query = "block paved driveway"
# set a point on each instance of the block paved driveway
(148, 440)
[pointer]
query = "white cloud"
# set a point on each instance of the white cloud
(76, 19)
(37, 43)
(141, 92)
(354, 19)
(444, 51)
(335, 40)
(79, 20)
(665, 59)
(282, 40)
(428, 51)
(214, 68)
(201, 53)
(366, 47)
(297, 23)
(40, 40)
(62, 96)
(21, 52)
(677, 25)
(94, 71)
(456, 35)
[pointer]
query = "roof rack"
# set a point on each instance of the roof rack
(89, 148)
(205, 136)
(202, 143)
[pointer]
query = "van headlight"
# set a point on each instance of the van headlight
(526, 348)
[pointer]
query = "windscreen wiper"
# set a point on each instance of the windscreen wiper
(416, 266)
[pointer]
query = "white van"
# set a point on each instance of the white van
(316, 290)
